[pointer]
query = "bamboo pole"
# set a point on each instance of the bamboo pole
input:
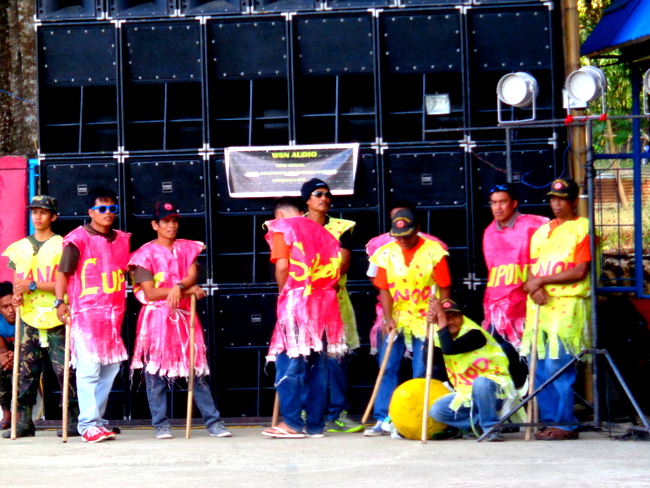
(190, 381)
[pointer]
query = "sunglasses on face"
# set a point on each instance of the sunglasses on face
(105, 208)
(320, 193)
(501, 187)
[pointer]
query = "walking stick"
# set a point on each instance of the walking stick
(66, 381)
(190, 381)
(427, 386)
(276, 410)
(14, 386)
(391, 339)
(531, 373)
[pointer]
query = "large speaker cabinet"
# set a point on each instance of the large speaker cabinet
(144, 96)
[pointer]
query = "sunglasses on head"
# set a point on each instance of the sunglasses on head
(321, 193)
(105, 208)
(500, 187)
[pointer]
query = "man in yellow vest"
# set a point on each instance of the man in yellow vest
(35, 261)
(477, 367)
(318, 198)
(558, 282)
(410, 268)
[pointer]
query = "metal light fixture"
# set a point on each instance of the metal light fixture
(586, 85)
(646, 92)
(518, 90)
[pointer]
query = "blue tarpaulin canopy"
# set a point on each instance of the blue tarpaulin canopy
(624, 23)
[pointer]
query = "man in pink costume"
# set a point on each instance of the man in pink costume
(309, 328)
(165, 272)
(506, 247)
(374, 244)
(91, 271)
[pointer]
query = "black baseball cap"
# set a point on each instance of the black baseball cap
(403, 223)
(164, 210)
(450, 305)
(564, 188)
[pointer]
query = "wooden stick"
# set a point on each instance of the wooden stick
(276, 410)
(190, 381)
(66, 382)
(531, 374)
(427, 386)
(389, 348)
(14, 386)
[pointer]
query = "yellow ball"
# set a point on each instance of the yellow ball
(406, 406)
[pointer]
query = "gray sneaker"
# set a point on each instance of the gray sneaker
(219, 430)
(164, 432)
(344, 424)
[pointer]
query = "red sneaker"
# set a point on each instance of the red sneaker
(110, 435)
(94, 434)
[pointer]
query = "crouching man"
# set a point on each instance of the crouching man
(477, 367)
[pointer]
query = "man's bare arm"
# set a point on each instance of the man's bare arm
(281, 272)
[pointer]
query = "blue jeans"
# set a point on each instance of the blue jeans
(557, 399)
(94, 383)
(157, 387)
(391, 374)
(483, 412)
(338, 376)
(294, 375)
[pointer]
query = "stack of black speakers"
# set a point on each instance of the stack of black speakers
(143, 97)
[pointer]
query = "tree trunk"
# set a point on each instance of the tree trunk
(18, 114)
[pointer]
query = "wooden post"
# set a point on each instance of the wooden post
(66, 382)
(15, 378)
(530, 415)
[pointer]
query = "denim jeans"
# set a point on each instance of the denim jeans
(94, 383)
(484, 410)
(157, 387)
(293, 375)
(391, 375)
(557, 399)
(338, 382)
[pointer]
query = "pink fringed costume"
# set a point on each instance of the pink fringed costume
(162, 342)
(97, 295)
(507, 256)
(308, 308)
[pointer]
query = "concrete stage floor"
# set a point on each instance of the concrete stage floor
(138, 459)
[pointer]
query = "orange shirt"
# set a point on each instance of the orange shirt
(279, 248)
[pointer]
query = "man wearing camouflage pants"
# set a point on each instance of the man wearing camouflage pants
(34, 261)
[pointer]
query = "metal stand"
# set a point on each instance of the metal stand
(594, 351)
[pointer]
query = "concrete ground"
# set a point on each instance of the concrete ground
(137, 459)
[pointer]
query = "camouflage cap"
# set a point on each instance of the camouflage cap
(43, 201)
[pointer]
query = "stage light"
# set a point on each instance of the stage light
(518, 90)
(586, 85)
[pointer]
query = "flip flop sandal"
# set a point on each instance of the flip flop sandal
(283, 434)
(555, 434)
(4, 425)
